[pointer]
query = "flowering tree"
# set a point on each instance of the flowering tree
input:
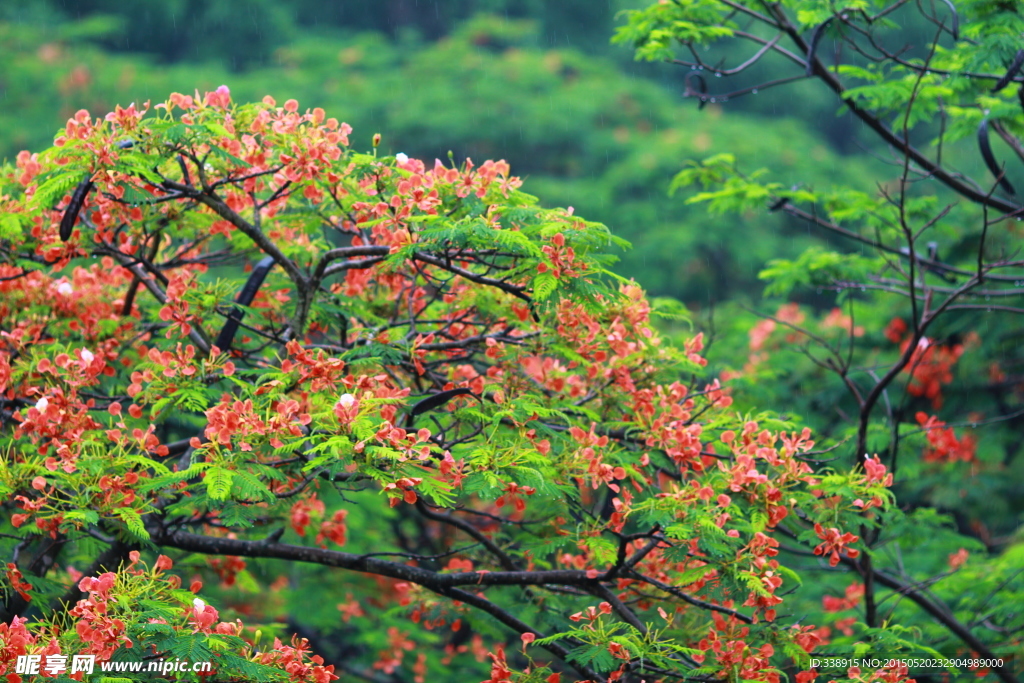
(237, 353)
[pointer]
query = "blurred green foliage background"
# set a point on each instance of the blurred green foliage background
(535, 82)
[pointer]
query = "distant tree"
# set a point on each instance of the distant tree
(242, 34)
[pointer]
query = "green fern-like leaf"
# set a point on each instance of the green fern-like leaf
(218, 482)
(133, 521)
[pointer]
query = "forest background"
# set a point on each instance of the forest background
(537, 83)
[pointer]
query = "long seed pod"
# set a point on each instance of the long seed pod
(185, 178)
(1018, 61)
(437, 400)
(956, 20)
(702, 90)
(244, 298)
(227, 335)
(813, 46)
(990, 159)
(74, 207)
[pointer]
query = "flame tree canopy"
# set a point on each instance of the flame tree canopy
(408, 408)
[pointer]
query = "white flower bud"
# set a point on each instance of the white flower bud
(401, 158)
